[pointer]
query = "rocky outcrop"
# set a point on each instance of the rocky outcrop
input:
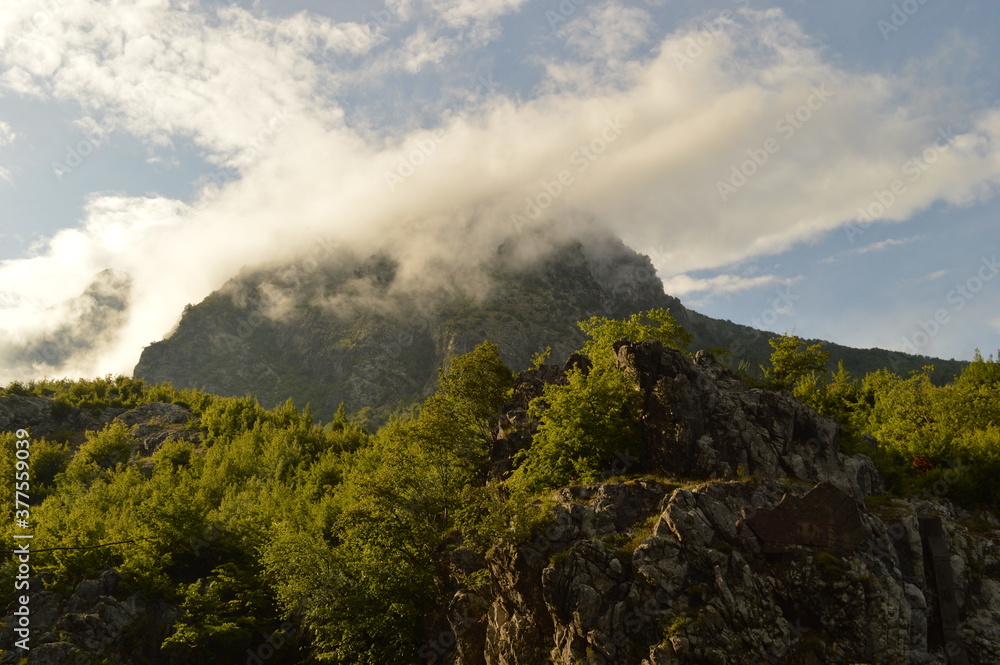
(765, 552)
(647, 573)
(155, 423)
(152, 424)
(699, 421)
(514, 430)
(44, 417)
(96, 623)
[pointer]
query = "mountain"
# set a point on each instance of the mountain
(351, 329)
(98, 313)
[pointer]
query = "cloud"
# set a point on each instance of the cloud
(7, 135)
(923, 279)
(471, 12)
(683, 285)
(649, 157)
(608, 30)
(868, 249)
(164, 74)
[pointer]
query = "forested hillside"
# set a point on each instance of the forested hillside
(235, 526)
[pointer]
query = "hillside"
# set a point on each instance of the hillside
(346, 329)
(651, 509)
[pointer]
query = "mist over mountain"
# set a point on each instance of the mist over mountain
(336, 326)
(77, 327)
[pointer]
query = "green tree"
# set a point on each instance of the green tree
(457, 424)
(585, 422)
(655, 324)
(790, 362)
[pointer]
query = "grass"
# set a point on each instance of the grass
(886, 508)
(829, 566)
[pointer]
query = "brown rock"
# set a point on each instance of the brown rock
(825, 517)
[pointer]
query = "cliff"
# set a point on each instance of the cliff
(774, 548)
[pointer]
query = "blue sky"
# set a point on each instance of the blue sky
(824, 168)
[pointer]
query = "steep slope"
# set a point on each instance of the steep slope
(94, 316)
(352, 330)
(765, 553)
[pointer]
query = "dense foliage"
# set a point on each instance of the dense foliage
(251, 517)
(585, 423)
(936, 440)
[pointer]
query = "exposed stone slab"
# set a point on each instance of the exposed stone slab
(825, 517)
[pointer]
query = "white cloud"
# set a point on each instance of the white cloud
(683, 285)
(868, 249)
(469, 11)
(608, 30)
(923, 279)
(162, 73)
(643, 156)
(422, 48)
(7, 135)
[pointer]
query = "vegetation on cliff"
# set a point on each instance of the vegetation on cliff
(249, 517)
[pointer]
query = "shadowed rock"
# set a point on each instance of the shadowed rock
(825, 517)
(699, 421)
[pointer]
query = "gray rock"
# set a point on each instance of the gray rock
(89, 623)
(701, 422)
(695, 591)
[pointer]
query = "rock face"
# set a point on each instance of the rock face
(95, 622)
(767, 555)
(678, 577)
(701, 422)
(152, 424)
